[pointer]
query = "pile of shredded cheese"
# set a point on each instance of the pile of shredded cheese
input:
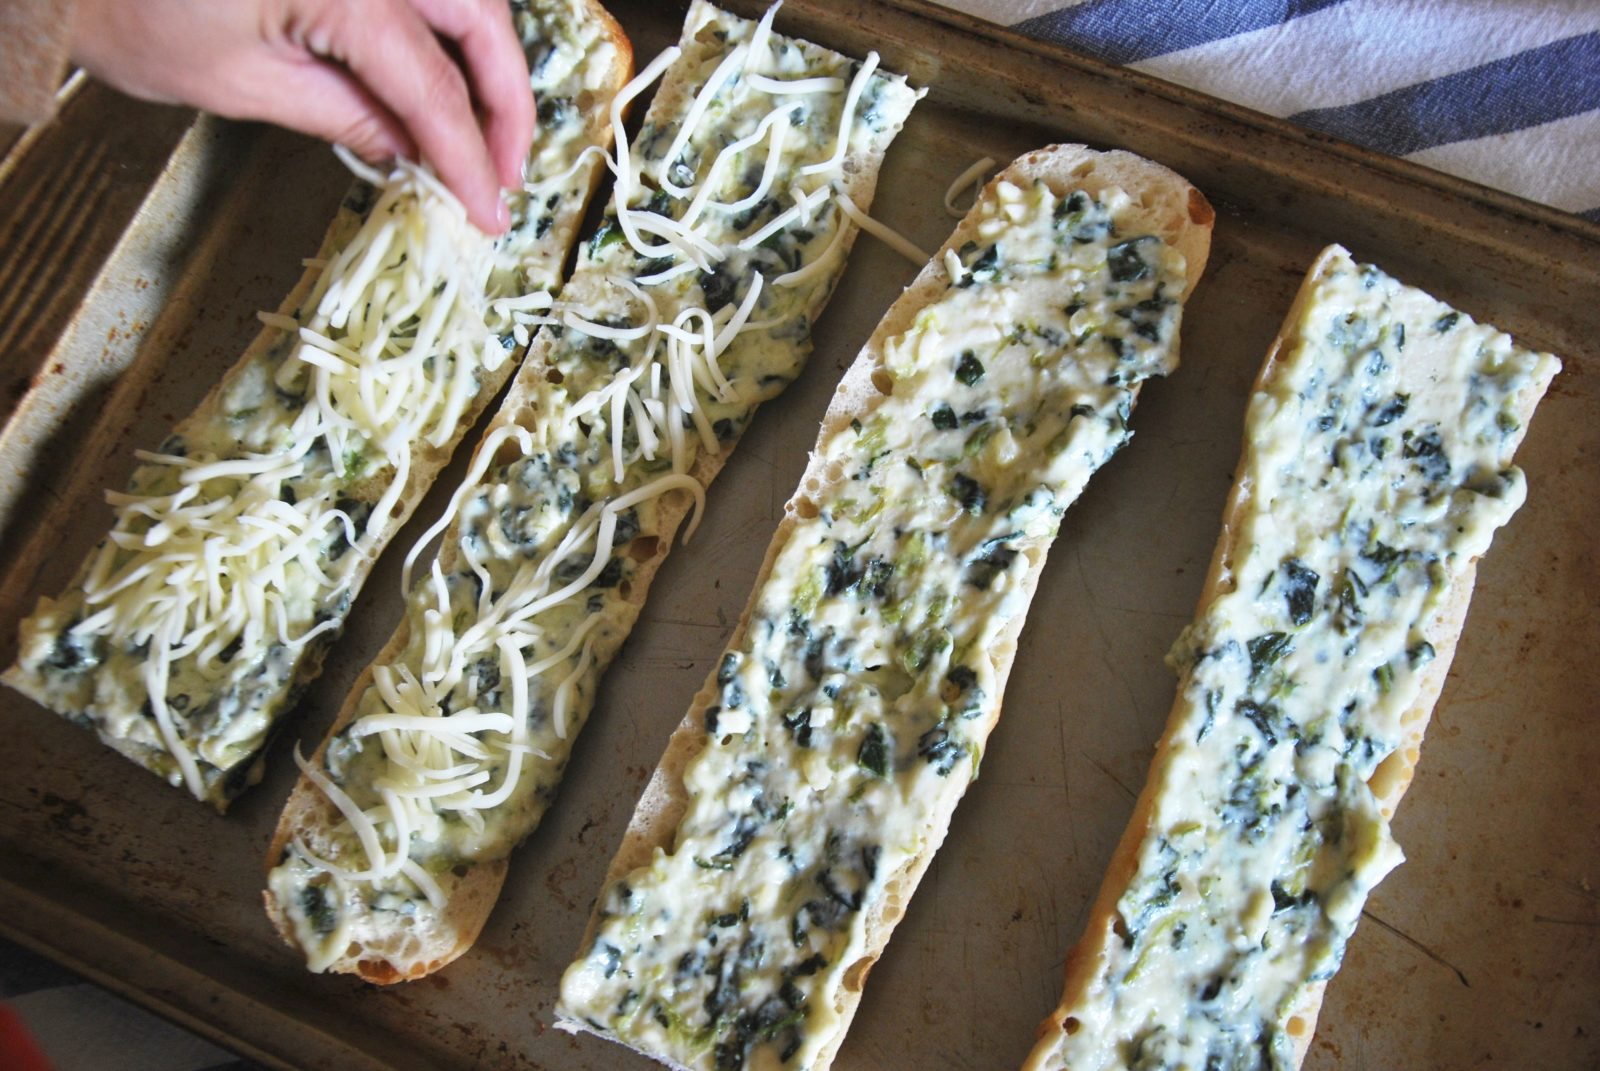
(387, 353)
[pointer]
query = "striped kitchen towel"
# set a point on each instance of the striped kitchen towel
(1502, 92)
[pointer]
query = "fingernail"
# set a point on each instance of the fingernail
(502, 212)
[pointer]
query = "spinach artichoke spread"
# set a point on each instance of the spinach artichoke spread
(1377, 469)
(851, 713)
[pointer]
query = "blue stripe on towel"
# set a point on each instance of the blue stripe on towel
(1537, 86)
(1127, 31)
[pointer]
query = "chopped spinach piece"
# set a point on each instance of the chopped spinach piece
(1262, 716)
(718, 287)
(990, 563)
(941, 749)
(1299, 589)
(873, 754)
(1267, 649)
(969, 369)
(962, 677)
(314, 905)
(1427, 450)
(1391, 410)
(1126, 263)
(969, 492)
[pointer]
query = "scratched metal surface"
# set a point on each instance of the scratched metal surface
(1484, 949)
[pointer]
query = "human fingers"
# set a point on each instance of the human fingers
(324, 100)
(498, 72)
(395, 55)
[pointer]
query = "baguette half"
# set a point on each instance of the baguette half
(242, 541)
(1418, 472)
(765, 967)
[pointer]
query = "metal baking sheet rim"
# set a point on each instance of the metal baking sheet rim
(201, 1001)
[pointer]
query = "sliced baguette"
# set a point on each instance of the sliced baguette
(402, 951)
(1168, 207)
(1088, 959)
(544, 234)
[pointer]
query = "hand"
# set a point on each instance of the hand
(377, 76)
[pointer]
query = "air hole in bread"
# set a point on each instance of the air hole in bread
(883, 381)
(1297, 1026)
(805, 509)
(855, 976)
(644, 548)
(507, 452)
(1070, 1025)
(1390, 775)
(1120, 928)
(1082, 169)
(625, 589)
(525, 417)
(553, 375)
(460, 870)
(585, 100)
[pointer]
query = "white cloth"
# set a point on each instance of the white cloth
(1502, 92)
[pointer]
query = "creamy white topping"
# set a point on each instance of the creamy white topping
(854, 707)
(1378, 462)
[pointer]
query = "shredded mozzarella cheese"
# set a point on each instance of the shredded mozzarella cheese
(471, 760)
(972, 176)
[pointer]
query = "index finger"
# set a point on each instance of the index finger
(497, 70)
(393, 51)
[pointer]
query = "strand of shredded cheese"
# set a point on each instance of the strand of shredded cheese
(972, 176)
(888, 236)
(852, 99)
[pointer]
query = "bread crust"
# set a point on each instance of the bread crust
(1170, 207)
(1389, 782)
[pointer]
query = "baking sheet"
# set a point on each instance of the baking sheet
(1484, 949)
